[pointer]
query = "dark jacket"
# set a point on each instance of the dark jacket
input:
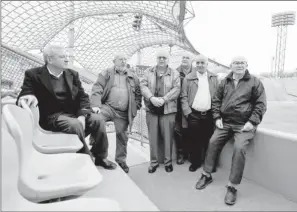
(181, 121)
(103, 85)
(246, 102)
(37, 82)
(190, 88)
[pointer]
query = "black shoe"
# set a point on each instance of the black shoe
(107, 164)
(193, 167)
(231, 195)
(180, 160)
(169, 168)
(203, 182)
(124, 166)
(152, 169)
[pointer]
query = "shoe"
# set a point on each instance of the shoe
(203, 182)
(169, 168)
(194, 167)
(124, 166)
(107, 164)
(231, 195)
(152, 169)
(180, 160)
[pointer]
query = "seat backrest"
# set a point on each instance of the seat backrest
(35, 113)
(19, 125)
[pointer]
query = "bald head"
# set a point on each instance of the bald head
(201, 63)
(239, 59)
(201, 57)
(239, 65)
(162, 53)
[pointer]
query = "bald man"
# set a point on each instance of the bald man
(116, 97)
(160, 88)
(182, 134)
(238, 108)
(198, 90)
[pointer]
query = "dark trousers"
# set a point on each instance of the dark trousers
(95, 125)
(201, 129)
(182, 136)
(218, 141)
(160, 129)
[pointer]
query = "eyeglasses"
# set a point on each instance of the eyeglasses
(239, 63)
(198, 62)
(164, 58)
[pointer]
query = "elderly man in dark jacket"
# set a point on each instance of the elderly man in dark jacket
(238, 108)
(182, 134)
(63, 104)
(196, 97)
(116, 97)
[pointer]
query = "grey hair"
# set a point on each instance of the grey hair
(50, 51)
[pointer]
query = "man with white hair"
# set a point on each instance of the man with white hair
(238, 108)
(63, 104)
(182, 134)
(197, 93)
(160, 88)
(116, 97)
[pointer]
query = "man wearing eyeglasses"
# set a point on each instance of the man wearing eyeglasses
(238, 108)
(160, 88)
(63, 104)
(196, 97)
(182, 134)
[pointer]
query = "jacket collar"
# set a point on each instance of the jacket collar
(246, 75)
(193, 75)
(180, 69)
(128, 72)
(45, 78)
(168, 72)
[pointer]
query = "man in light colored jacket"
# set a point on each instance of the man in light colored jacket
(160, 88)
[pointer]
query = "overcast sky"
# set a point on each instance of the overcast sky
(221, 30)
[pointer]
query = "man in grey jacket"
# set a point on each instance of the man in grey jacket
(160, 88)
(238, 108)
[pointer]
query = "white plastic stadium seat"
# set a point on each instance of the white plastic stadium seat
(47, 176)
(49, 142)
(13, 201)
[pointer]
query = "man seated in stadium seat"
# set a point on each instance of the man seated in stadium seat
(237, 107)
(116, 97)
(63, 104)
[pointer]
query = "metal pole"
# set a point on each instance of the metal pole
(71, 35)
(141, 141)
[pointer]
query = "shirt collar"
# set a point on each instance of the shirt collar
(201, 75)
(51, 73)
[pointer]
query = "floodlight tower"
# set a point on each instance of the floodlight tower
(281, 21)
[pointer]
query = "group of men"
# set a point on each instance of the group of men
(187, 105)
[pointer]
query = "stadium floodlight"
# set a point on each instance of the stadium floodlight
(281, 21)
(137, 22)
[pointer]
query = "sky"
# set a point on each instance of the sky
(224, 29)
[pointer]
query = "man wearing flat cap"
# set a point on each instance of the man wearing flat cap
(160, 88)
(238, 108)
(116, 97)
(182, 134)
